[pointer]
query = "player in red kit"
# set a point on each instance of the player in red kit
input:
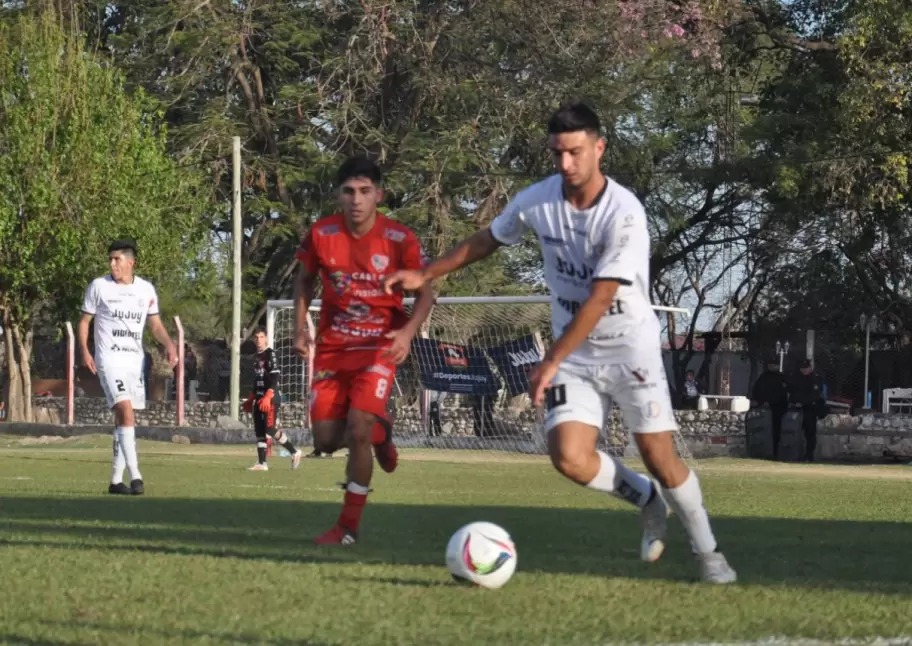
(362, 335)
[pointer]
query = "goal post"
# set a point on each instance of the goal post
(464, 383)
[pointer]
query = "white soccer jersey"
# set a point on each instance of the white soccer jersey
(120, 313)
(609, 241)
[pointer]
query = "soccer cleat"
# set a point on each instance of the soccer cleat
(136, 487)
(654, 518)
(119, 489)
(259, 466)
(318, 454)
(296, 458)
(715, 569)
(337, 535)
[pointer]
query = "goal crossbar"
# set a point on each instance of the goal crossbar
(478, 300)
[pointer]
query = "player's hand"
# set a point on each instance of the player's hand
(302, 343)
(404, 280)
(540, 381)
(172, 355)
(89, 362)
(266, 401)
(399, 348)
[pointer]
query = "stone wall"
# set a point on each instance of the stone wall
(706, 433)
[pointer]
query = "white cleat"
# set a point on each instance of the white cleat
(259, 466)
(715, 569)
(296, 458)
(654, 517)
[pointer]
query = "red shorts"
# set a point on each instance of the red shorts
(345, 379)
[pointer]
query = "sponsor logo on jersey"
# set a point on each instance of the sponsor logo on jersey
(367, 293)
(380, 262)
(365, 276)
(579, 232)
(355, 332)
(524, 357)
(628, 221)
(394, 235)
(653, 410)
(126, 334)
(568, 271)
(119, 348)
(570, 306)
(320, 375)
(617, 307)
(127, 315)
(341, 282)
(551, 240)
(328, 230)
(453, 356)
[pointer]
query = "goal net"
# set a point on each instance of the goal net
(464, 383)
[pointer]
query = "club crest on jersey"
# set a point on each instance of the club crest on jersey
(320, 375)
(380, 262)
(341, 282)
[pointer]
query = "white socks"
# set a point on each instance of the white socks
(617, 479)
(125, 454)
(120, 462)
(687, 502)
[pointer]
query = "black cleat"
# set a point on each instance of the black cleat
(119, 489)
(137, 487)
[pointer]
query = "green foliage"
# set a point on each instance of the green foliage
(81, 163)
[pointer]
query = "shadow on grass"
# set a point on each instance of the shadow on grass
(864, 556)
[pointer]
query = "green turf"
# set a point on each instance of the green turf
(214, 554)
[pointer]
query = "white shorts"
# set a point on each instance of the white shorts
(123, 384)
(639, 387)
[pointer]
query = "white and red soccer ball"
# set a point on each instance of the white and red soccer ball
(482, 554)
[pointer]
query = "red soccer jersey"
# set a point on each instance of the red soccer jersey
(355, 311)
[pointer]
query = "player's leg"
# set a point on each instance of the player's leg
(575, 415)
(137, 401)
(645, 402)
(281, 438)
(118, 400)
(365, 430)
(259, 429)
(371, 392)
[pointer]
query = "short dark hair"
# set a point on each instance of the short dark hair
(574, 117)
(124, 244)
(359, 166)
(260, 330)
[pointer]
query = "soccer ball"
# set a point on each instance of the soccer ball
(482, 554)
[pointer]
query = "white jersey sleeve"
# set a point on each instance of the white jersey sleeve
(510, 226)
(623, 245)
(153, 302)
(90, 302)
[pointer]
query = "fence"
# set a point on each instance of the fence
(475, 352)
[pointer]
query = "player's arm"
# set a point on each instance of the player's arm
(89, 307)
(305, 284)
(507, 228)
(160, 334)
(587, 317)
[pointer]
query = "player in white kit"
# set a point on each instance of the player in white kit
(121, 303)
(595, 243)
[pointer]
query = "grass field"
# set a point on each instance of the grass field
(214, 554)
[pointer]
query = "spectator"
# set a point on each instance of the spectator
(2, 411)
(771, 389)
(806, 391)
(437, 398)
(692, 391)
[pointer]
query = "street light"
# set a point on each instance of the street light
(782, 350)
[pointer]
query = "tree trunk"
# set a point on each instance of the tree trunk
(18, 362)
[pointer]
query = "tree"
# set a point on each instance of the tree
(81, 162)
